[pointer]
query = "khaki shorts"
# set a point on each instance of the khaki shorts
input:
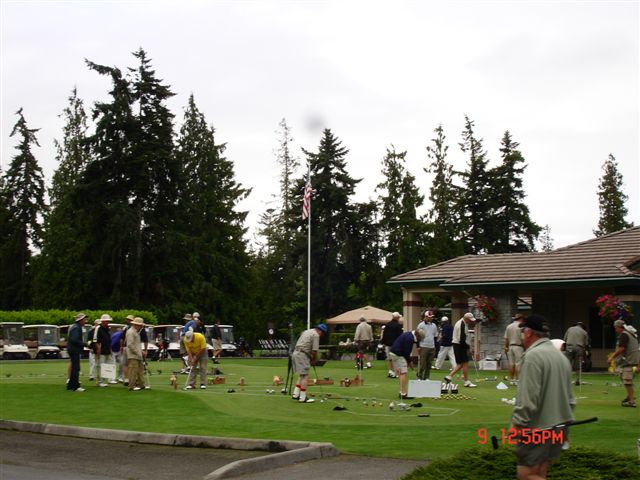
(216, 343)
(399, 363)
(537, 452)
(301, 363)
(626, 375)
(515, 354)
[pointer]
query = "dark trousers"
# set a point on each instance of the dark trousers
(74, 377)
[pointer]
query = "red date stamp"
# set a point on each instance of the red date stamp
(524, 436)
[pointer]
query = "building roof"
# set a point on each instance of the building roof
(610, 259)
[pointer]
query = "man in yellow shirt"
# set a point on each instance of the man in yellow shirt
(196, 348)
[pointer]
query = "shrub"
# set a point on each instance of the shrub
(487, 464)
(65, 317)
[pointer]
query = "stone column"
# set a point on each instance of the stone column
(411, 306)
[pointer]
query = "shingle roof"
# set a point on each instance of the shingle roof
(611, 258)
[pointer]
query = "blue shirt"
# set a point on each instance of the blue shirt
(403, 345)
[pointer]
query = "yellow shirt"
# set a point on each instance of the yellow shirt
(197, 344)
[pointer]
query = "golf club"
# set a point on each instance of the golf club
(188, 376)
(146, 370)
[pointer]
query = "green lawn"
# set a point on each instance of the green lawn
(34, 391)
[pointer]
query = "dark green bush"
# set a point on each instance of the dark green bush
(487, 464)
(65, 317)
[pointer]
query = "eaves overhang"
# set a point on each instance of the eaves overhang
(549, 283)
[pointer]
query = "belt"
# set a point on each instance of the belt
(515, 345)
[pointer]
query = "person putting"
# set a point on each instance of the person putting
(305, 354)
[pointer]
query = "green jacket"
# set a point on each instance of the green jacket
(545, 394)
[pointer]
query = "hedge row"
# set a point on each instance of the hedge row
(65, 317)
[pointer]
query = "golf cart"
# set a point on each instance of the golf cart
(170, 336)
(229, 347)
(12, 340)
(42, 340)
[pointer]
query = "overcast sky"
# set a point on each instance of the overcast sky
(561, 76)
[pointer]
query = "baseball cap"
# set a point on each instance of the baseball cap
(535, 322)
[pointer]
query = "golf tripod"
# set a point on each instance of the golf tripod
(289, 381)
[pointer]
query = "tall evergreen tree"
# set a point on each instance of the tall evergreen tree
(156, 176)
(333, 219)
(72, 152)
(546, 242)
(442, 216)
(107, 217)
(514, 231)
(288, 162)
(23, 193)
(611, 200)
(58, 282)
(402, 232)
(9, 279)
(474, 206)
(218, 263)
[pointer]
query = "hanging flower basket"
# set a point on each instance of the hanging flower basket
(487, 307)
(611, 308)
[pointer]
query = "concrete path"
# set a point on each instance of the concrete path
(25, 456)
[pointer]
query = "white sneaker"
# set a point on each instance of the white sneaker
(189, 387)
(102, 384)
(368, 364)
(468, 384)
(112, 382)
(203, 387)
(79, 389)
(306, 400)
(135, 389)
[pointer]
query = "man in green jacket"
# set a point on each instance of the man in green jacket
(544, 400)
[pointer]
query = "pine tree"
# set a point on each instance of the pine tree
(442, 216)
(402, 233)
(58, 282)
(546, 242)
(514, 231)
(474, 205)
(23, 193)
(611, 199)
(107, 218)
(288, 162)
(333, 220)
(156, 176)
(214, 229)
(72, 152)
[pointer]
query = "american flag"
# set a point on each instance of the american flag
(306, 204)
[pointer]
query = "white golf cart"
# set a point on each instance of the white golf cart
(42, 340)
(12, 341)
(229, 347)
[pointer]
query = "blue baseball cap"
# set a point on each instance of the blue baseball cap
(323, 327)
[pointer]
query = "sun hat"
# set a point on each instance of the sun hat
(137, 321)
(97, 321)
(130, 318)
(105, 318)
(619, 323)
(189, 335)
(196, 315)
(395, 315)
(80, 316)
(187, 316)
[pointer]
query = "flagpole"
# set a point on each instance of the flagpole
(309, 255)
